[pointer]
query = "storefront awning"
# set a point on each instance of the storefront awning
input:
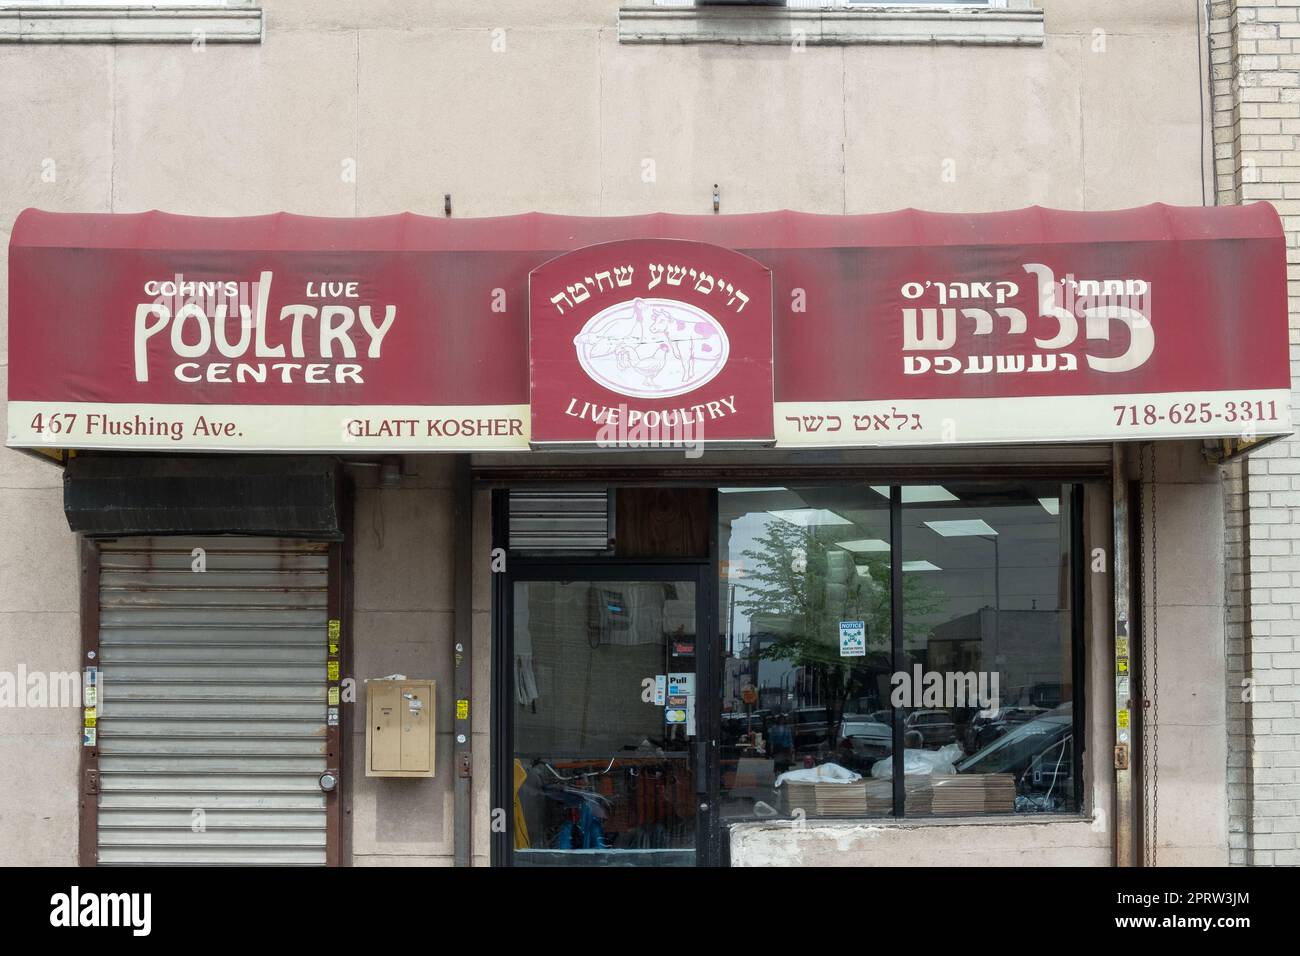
(407, 333)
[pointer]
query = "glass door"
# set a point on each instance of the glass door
(609, 766)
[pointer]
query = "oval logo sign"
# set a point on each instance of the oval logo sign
(652, 348)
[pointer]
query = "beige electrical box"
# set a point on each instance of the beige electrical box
(400, 727)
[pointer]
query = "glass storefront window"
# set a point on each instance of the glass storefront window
(815, 692)
(805, 634)
(988, 648)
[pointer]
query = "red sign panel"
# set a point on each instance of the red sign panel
(651, 343)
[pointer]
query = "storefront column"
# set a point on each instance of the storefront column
(1122, 563)
(462, 657)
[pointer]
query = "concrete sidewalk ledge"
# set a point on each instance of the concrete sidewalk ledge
(1001, 840)
(131, 24)
(862, 25)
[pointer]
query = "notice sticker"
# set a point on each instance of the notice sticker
(90, 717)
(332, 716)
(333, 696)
(88, 735)
(332, 670)
(1121, 718)
(333, 629)
(681, 684)
(675, 715)
(853, 639)
(462, 709)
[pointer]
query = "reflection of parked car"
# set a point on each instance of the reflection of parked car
(934, 726)
(1045, 695)
(865, 737)
(1040, 753)
(736, 726)
(988, 725)
(812, 729)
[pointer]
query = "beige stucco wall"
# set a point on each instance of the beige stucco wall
(1186, 777)
(412, 96)
(39, 631)
(403, 624)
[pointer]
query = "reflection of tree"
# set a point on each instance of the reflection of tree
(801, 585)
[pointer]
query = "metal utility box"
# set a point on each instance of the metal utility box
(400, 727)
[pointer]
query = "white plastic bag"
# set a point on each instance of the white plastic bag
(824, 773)
(915, 763)
(951, 752)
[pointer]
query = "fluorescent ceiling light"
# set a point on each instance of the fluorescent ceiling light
(1051, 505)
(864, 544)
(918, 494)
(810, 517)
(864, 570)
(750, 491)
(920, 566)
(964, 528)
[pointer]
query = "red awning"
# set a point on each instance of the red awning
(153, 331)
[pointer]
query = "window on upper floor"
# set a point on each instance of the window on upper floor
(123, 3)
(820, 4)
(195, 22)
(833, 22)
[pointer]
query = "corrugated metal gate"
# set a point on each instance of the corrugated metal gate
(212, 729)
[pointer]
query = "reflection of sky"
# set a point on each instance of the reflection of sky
(1028, 548)
(745, 532)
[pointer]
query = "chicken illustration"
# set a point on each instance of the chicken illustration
(647, 368)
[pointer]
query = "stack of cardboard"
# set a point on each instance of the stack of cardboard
(973, 794)
(827, 799)
(939, 795)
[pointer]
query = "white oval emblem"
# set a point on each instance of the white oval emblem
(652, 348)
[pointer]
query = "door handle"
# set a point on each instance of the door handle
(701, 748)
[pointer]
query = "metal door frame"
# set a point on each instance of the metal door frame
(704, 749)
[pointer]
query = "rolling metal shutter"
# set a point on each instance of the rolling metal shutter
(212, 701)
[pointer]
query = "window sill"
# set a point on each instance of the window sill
(834, 27)
(918, 823)
(130, 24)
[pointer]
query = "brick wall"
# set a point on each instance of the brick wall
(1254, 48)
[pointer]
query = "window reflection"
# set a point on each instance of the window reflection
(602, 769)
(984, 688)
(988, 702)
(806, 658)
